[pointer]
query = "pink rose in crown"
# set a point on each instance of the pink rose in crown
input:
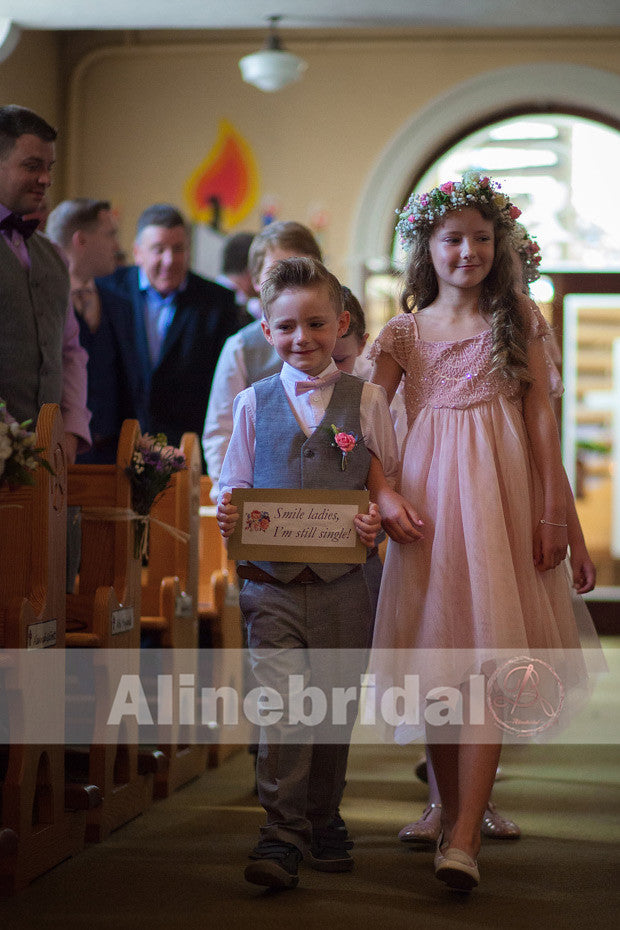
(484, 182)
(514, 212)
(345, 441)
(447, 188)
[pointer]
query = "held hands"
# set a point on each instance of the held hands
(400, 519)
(367, 525)
(227, 515)
(550, 546)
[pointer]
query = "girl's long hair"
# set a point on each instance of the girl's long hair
(498, 298)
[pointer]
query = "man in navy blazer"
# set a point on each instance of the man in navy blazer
(170, 324)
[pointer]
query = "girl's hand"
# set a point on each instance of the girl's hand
(227, 515)
(584, 571)
(400, 520)
(367, 525)
(550, 546)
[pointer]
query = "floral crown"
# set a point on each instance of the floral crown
(528, 251)
(423, 210)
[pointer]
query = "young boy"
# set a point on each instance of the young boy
(247, 357)
(294, 608)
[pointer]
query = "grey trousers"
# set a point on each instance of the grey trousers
(319, 633)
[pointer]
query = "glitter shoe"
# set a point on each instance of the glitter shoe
(426, 830)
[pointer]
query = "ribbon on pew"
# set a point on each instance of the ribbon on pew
(141, 523)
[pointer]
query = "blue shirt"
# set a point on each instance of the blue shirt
(158, 314)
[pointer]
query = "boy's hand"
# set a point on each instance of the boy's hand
(227, 515)
(367, 525)
(400, 520)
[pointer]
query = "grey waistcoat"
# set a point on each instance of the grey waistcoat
(33, 310)
(287, 458)
(261, 359)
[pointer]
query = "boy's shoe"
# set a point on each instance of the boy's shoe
(339, 826)
(275, 864)
(329, 850)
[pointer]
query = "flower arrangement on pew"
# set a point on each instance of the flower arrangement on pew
(152, 465)
(19, 454)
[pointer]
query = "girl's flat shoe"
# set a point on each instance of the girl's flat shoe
(498, 827)
(425, 831)
(456, 869)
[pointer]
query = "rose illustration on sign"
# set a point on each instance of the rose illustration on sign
(257, 521)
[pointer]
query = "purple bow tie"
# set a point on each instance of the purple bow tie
(315, 384)
(24, 227)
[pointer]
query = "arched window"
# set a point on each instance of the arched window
(560, 168)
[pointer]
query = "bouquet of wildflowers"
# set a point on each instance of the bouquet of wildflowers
(152, 465)
(19, 455)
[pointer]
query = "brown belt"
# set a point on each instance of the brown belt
(253, 573)
(250, 572)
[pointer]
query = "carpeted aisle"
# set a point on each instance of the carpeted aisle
(181, 864)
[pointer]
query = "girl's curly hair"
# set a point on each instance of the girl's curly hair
(498, 299)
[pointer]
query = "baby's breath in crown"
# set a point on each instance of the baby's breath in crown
(423, 210)
(529, 252)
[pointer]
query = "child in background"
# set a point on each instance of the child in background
(282, 439)
(482, 462)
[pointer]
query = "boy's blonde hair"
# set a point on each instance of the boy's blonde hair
(298, 274)
(282, 235)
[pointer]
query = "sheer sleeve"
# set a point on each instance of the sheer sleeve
(396, 339)
(538, 328)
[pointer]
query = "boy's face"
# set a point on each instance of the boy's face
(347, 350)
(303, 327)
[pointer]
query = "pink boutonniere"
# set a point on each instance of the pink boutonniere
(345, 442)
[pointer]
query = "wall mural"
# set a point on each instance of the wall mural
(223, 189)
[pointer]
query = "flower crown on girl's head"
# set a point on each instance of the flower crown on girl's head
(529, 252)
(423, 210)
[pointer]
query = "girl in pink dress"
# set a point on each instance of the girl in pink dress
(475, 570)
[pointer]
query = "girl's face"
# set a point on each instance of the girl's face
(462, 249)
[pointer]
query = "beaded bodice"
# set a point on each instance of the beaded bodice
(442, 374)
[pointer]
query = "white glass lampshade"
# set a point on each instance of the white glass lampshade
(271, 69)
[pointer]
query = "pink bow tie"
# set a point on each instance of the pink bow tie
(315, 384)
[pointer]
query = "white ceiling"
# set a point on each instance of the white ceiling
(309, 14)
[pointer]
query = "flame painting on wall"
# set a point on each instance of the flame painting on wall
(224, 187)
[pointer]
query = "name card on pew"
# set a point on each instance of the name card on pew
(183, 606)
(42, 635)
(122, 620)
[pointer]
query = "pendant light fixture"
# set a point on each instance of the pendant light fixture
(273, 67)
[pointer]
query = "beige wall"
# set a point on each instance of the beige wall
(30, 77)
(140, 117)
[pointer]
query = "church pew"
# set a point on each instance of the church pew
(219, 614)
(36, 830)
(104, 615)
(170, 607)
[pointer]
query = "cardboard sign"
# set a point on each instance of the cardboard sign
(278, 525)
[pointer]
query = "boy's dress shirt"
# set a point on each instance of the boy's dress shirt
(309, 409)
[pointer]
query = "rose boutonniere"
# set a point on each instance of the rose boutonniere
(344, 442)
